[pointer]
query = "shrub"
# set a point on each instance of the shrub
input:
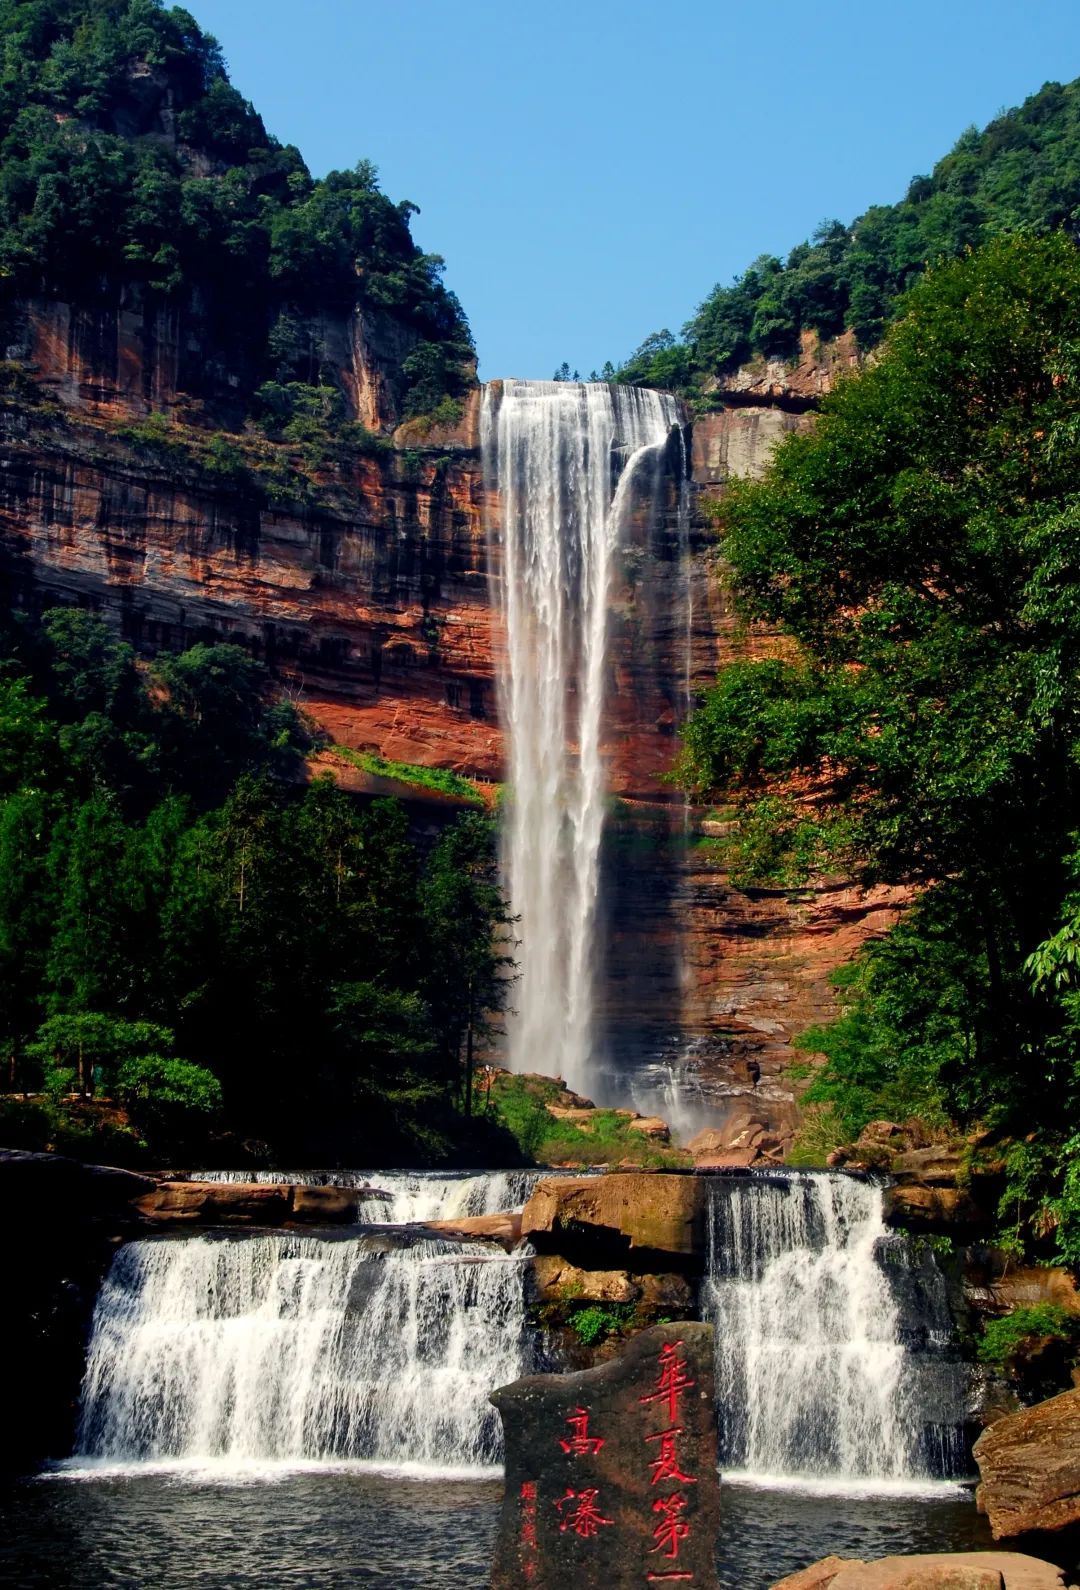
(1006, 1339)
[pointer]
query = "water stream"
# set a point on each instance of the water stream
(293, 1348)
(835, 1349)
(570, 461)
(334, 1368)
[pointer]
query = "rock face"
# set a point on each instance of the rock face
(967, 1570)
(504, 1229)
(555, 1279)
(371, 600)
(61, 1222)
(1029, 1464)
(647, 1220)
(217, 1203)
(611, 1476)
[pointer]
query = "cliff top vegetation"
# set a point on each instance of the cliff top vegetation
(129, 161)
(1019, 174)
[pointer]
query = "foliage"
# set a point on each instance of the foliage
(189, 931)
(1004, 1339)
(596, 1322)
(1019, 175)
(918, 552)
(441, 779)
(127, 157)
(520, 1103)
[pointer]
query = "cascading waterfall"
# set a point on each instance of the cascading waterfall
(285, 1347)
(404, 1197)
(823, 1375)
(569, 461)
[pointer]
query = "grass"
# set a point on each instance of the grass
(820, 1131)
(439, 779)
(520, 1104)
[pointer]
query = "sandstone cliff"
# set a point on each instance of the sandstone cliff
(363, 581)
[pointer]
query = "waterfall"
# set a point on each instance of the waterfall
(832, 1338)
(284, 1347)
(403, 1197)
(569, 460)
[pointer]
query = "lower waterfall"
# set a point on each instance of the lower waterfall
(833, 1339)
(401, 1197)
(293, 1348)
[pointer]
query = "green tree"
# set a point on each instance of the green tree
(918, 548)
(466, 979)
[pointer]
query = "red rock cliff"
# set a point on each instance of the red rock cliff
(368, 593)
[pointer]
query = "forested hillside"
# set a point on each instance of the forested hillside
(918, 550)
(127, 159)
(189, 932)
(1020, 174)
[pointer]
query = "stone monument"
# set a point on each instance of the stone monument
(611, 1477)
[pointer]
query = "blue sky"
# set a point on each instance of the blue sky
(590, 168)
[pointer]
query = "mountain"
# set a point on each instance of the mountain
(1020, 173)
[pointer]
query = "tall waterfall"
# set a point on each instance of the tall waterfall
(288, 1347)
(833, 1363)
(569, 461)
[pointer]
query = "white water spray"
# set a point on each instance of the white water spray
(569, 461)
(294, 1348)
(818, 1380)
(406, 1197)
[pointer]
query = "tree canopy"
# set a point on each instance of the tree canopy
(921, 725)
(1019, 174)
(126, 156)
(189, 930)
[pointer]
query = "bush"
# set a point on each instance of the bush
(598, 1321)
(1014, 1335)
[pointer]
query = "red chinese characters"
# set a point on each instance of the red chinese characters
(528, 1542)
(584, 1519)
(581, 1443)
(666, 1466)
(672, 1529)
(672, 1380)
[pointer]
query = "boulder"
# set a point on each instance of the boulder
(994, 1284)
(555, 1280)
(214, 1203)
(819, 1575)
(332, 1205)
(611, 1477)
(650, 1126)
(931, 1209)
(604, 1222)
(940, 1165)
(504, 1229)
(1029, 1467)
(965, 1570)
(47, 1182)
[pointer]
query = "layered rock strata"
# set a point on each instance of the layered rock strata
(372, 596)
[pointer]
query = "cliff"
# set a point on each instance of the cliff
(362, 579)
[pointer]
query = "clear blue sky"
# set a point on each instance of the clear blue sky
(590, 168)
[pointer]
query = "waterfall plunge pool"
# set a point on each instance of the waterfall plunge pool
(235, 1430)
(329, 1528)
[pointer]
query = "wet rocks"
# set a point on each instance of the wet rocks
(505, 1229)
(637, 1221)
(250, 1203)
(746, 1138)
(555, 1280)
(968, 1570)
(611, 1473)
(1029, 1463)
